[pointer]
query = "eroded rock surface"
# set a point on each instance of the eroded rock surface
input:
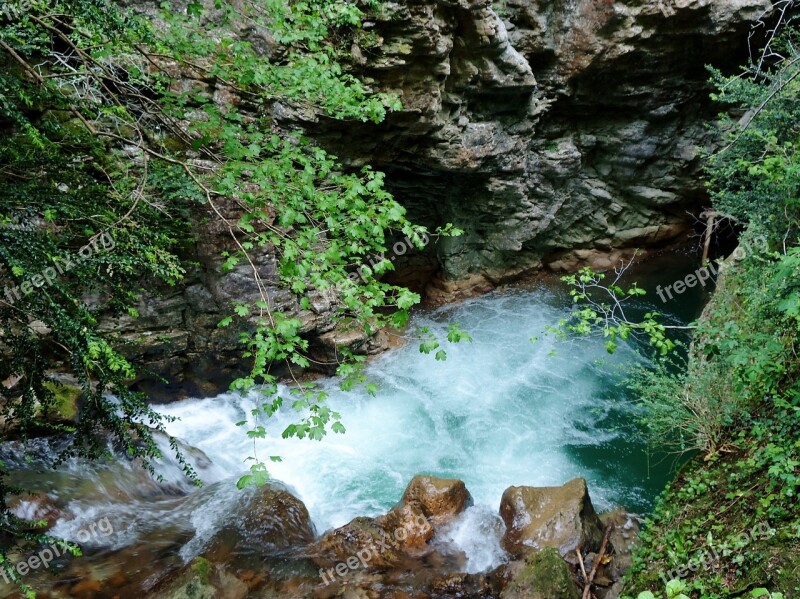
(544, 127)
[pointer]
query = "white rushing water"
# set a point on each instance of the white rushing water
(499, 411)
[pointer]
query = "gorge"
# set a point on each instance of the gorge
(345, 339)
(550, 150)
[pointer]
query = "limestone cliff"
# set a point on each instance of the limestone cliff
(553, 132)
(541, 127)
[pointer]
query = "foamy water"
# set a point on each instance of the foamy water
(500, 411)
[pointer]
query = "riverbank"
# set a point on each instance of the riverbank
(729, 523)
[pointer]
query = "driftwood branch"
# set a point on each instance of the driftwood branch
(587, 590)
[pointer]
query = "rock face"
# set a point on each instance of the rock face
(554, 133)
(176, 334)
(542, 127)
(559, 517)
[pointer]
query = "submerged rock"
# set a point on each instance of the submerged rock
(558, 517)
(542, 575)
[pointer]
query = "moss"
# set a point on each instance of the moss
(203, 568)
(729, 522)
(66, 400)
(545, 575)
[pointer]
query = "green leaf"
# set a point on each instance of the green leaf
(194, 9)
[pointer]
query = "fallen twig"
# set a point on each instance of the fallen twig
(587, 590)
(580, 561)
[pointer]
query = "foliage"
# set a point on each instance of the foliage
(112, 132)
(740, 397)
(601, 308)
(755, 177)
(744, 374)
(674, 590)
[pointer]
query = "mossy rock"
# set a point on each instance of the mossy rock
(192, 582)
(66, 400)
(561, 517)
(200, 579)
(544, 575)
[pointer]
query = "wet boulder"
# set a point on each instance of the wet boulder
(439, 499)
(268, 520)
(402, 533)
(408, 522)
(375, 543)
(558, 517)
(541, 575)
(362, 539)
(37, 508)
(277, 519)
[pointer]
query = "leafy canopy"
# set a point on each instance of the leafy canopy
(123, 128)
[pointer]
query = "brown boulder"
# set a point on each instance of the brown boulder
(439, 499)
(376, 543)
(402, 533)
(272, 521)
(418, 530)
(558, 517)
(277, 518)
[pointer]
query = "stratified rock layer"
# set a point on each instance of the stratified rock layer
(542, 127)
